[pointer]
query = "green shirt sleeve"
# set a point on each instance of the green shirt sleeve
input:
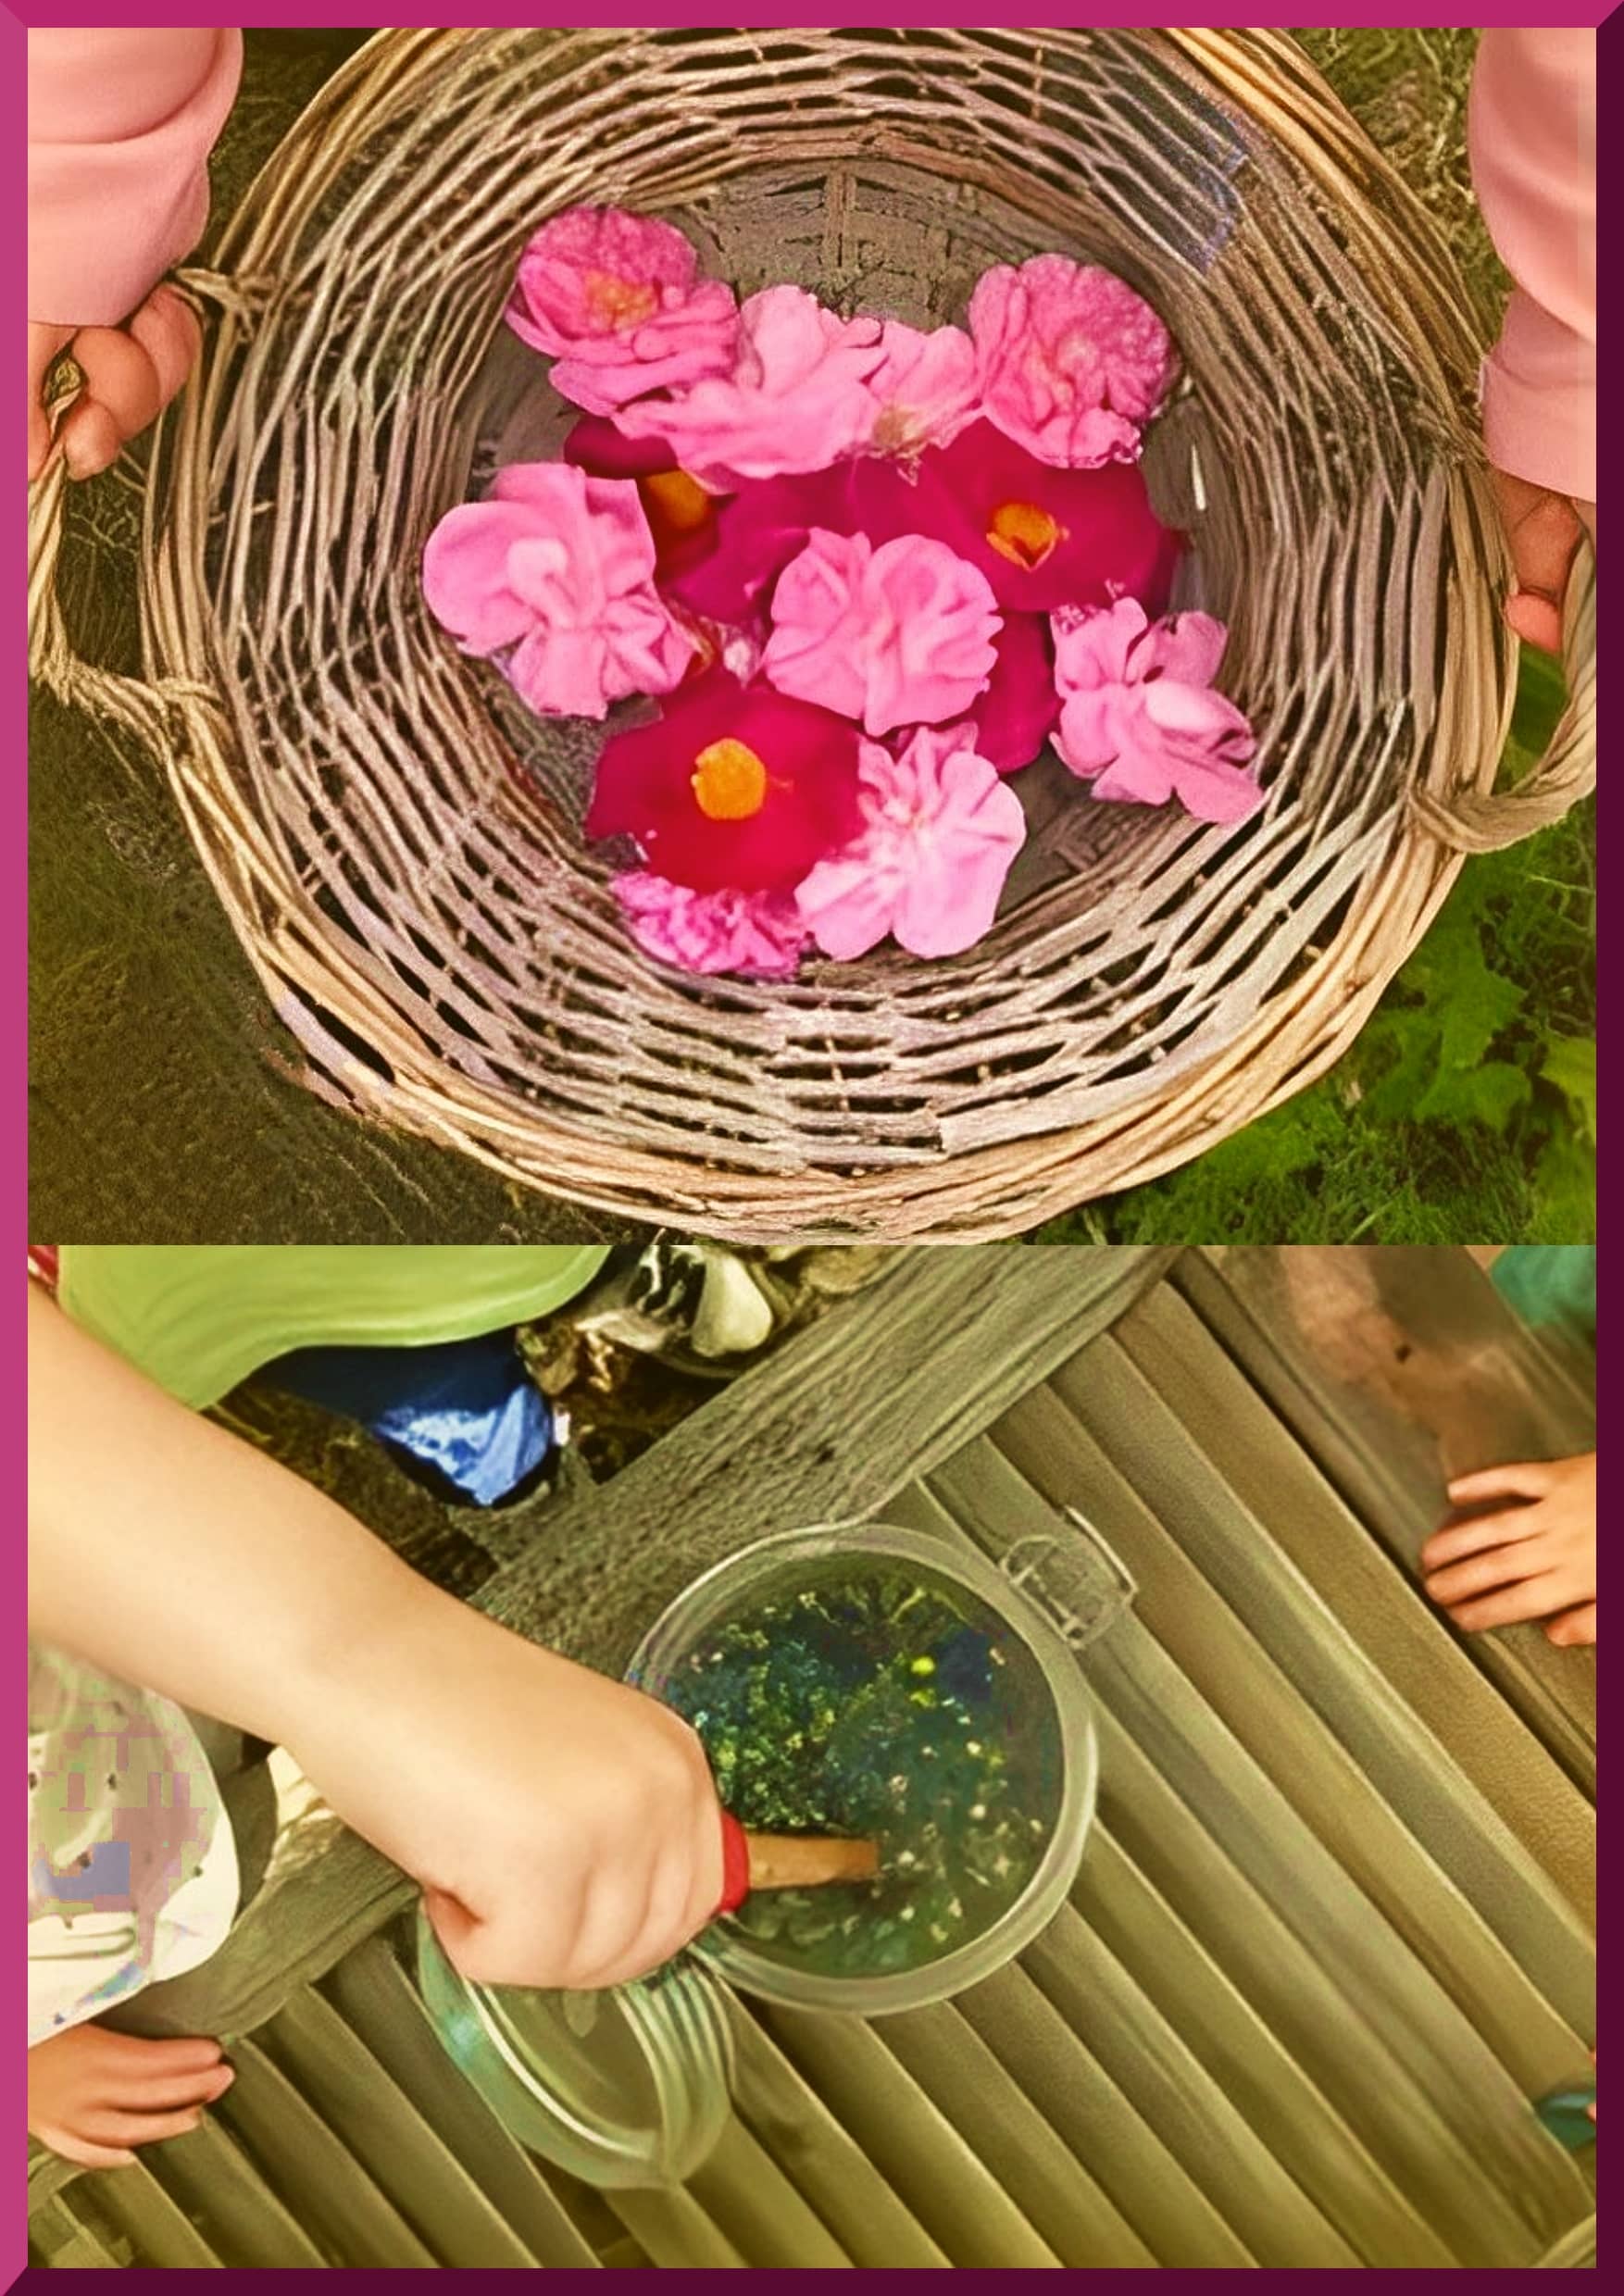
(199, 1317)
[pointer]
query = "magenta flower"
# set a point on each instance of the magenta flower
(757, 531)
(1139, 716)
(1043, 537)
(940, 830)
(1020, 708)
(901, 635)
(732, 788)
(616, 300)
(760, 934)
(796, 398)
(1072, 363)
(925, 389)
(555, 572)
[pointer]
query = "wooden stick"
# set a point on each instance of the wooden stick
(805, 1861)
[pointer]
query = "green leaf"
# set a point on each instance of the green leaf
(1490, 1093)
(1570, 1064)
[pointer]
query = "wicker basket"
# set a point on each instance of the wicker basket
(398, 844)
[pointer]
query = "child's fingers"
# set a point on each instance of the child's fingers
(167, 329)
(88, 2156)
(121, 396)
(154, 2090)
(45, 344)
(1457, 1540)
(1528, 1479)
(1479, 1574)
(122, 2128)
(134, 2054)
(1510, 1606)
(1573, 1627)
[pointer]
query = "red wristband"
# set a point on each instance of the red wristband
(735, 1865)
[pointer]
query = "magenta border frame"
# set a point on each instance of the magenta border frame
(13, 912)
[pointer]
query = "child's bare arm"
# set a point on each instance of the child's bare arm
(564, 1826)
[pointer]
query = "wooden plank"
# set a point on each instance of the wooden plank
(1398, 1368)
(755, 2207)
(828, 1428)
(58, 2241)
(1235, 1433)
(1274, 1714)
(1256, 2072)
(311, 2172)
(1172, 2090)
(373, 1993)
(233, 2207)
(131, 2215)
(379, 2127)
(1301, 1984)
(1414, 1775)
(950, 2061)
(919, 2152)
(1150, 2187)
(672, 2231)
(873, 2225)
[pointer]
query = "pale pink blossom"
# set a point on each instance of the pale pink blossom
(616, 300)
(762, 934)
(554, 573)
(795, 400)
(925, 389)
(1140, 717)
(940, 831)
(901, 635)
(1071, 362)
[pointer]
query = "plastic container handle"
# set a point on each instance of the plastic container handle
(735, 1866)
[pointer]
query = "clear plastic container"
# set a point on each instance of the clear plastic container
(1044, 1683)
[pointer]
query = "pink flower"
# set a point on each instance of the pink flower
(940, 830)
(901, 635)
(925, 388)
(614, 299)
(1140, 718)
(733, 789)
(1020, 708)
(1071, 361)
(795, 400)
(560, 569)
(682, 515)
(761, 934)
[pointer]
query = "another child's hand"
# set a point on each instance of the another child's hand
(130, 374)
(93, 2094)
(1544, 531)
(564, 1829)
(1533, 1560)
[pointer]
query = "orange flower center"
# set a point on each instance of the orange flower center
(1024, 534)
(681, 502)
(730, 782)
(619, 302)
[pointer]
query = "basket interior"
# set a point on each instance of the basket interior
(428, 827)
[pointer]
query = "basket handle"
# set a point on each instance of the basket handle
(1486, 821)
(142, 709)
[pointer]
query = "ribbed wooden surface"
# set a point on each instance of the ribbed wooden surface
(1330, 1938)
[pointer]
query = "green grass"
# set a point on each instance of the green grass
(1464, 1113)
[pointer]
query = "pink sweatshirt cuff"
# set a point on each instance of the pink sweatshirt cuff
(121, 124)
(1532, 132)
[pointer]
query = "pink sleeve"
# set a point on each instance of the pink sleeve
(1533, 151)
(121, 124)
